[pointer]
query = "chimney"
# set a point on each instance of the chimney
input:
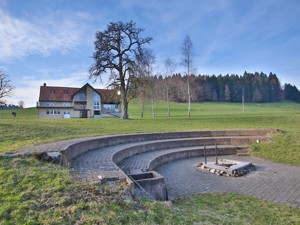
(45, 85)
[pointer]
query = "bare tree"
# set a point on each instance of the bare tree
(187, 62)
(143, 71)
(6, 88)
(169, 67)
(116, 49)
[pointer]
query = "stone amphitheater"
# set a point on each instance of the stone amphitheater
(163, 165)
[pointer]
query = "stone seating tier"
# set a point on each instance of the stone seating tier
(97, 157)
(102, 162)
(71, 151)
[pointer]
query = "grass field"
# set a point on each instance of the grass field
(34, 192)
(26, 129)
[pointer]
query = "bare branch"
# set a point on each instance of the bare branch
(187, 62)
(188, 55)
(169, 67)
(115, 50)
(6, 88)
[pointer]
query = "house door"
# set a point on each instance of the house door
(83, 114)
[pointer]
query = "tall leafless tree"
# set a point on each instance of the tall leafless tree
(116, 49)
(187, 62)
(169, 67)
(6, 88)
(144, 70)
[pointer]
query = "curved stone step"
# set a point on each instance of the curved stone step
(72, 148)
(75, 149)
(101, 163)
(148, 161)
(123, 153)
(243, 152)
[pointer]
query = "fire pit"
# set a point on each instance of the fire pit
(226, 167)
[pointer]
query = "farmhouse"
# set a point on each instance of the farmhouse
(84, 102)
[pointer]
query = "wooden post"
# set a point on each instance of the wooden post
(216, 152)
(205, 154)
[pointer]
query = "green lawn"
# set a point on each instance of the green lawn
(26, 129)
(33, 192)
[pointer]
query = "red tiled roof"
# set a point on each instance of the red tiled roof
(56, 94)
(65, 94)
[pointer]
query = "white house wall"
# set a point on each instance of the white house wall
(90, 101)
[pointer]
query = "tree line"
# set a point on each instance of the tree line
(252, 87)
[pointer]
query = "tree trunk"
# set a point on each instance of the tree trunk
(124, 103)
(243, 103)
(168, 100)
(125, 110)
(143, 105)
(152, 106)
(189, 98)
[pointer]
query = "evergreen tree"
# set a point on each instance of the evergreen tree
(274, 88)
(291, 93)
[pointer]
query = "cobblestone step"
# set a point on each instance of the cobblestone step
(104, 160)
(148, 161)
(95, 157)
(243, 152)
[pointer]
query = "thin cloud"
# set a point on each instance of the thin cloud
(21, 38)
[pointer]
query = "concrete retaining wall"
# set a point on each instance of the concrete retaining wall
(154, 184)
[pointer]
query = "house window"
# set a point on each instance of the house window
(52, 91)
(66, 112)
(96, 101)
(97, 105)
(53, 112)
(109, 106)
(50, 104)
(97, 113)
(96, 96)
(66, 104)
(82, 96)
(66, 91)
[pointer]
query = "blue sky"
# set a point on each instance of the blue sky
(51, 41)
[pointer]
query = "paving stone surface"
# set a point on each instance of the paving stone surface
(142, 161)
(90, 165)
(271, 181)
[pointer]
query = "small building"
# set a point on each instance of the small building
(84, 102)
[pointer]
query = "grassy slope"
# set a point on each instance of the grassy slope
(28, 130)
(37, 192)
